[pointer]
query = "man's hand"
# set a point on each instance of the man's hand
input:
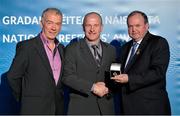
(122, 78)
(100, 89)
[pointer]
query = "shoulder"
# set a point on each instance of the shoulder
(26, 43)
(72, 49)
(158, 40)
(127, 44)
(72, 45)
(108, 46)
(61, 46)
(75, 44)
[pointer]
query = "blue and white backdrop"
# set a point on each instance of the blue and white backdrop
(19, 20)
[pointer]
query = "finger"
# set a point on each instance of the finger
(101, 83)
(119, 81)
(116, 79)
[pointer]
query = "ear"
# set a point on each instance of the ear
(83, 27)
(147, 26)
(41, 24)
(101, 28)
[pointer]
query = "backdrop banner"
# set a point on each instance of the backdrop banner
(19, 20)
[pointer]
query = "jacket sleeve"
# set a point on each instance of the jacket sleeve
(156, 71)
(70, 76)
(17, 70)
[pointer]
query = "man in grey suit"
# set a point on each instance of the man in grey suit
(84, 70)
(143, 80)
(36, 70)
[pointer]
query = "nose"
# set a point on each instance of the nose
(133, 29)
(92, 29)
(53, 27)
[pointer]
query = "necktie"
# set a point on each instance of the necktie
(97, 55)
(133, 50)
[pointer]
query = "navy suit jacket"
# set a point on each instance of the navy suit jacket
(145, 93)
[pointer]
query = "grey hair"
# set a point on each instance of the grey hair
(57, 11)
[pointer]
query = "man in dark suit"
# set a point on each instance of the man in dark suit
(36, 70)
(143, 80)
(84, 70)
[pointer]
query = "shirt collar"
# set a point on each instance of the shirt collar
(139, 41)
(98, 43)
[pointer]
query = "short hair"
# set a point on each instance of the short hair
(95, 14)
(138, 12)
(57, 11)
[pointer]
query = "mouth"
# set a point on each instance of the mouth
(52, 33)
(135, 34)
(92, 33)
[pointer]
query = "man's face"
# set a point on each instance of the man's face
(92, 27)
(51, 24)
(136, 27)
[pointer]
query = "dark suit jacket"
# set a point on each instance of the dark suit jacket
(31, 79)
(80, 72)
(146, 91)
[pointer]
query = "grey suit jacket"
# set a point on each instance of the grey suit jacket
(31, 79)
(81, 71)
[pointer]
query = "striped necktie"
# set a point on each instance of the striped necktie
(97, 55)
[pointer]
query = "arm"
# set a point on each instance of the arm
(154, 71)
(70, 76)
(17, 70)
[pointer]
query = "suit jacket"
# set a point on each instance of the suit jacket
(145, 93)
(80, 72)
(31, 79)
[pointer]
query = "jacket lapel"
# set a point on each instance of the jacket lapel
(138, 53)
(104, 53)
(42, 53)
(87, 53)
(61, 52)
(124, 56)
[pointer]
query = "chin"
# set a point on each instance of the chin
(93, 39)
(51, 38)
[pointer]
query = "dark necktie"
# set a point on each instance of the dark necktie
(133, 50)
(97, 55)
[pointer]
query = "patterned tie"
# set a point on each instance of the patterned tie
(97, 55)
(133, 50)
